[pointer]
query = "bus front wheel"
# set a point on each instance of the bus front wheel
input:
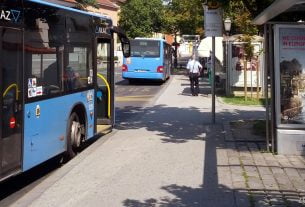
(74, 136)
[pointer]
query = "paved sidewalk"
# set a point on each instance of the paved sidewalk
(170, 155)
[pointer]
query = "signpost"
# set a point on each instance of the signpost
(213, 28)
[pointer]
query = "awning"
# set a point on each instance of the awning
(277, 8)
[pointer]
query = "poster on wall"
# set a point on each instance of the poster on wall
(253, 69)
(290, 72)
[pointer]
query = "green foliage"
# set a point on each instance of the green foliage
(255, 7)
(184, 17)
(140, 18)
(248, 46)
(242, 12)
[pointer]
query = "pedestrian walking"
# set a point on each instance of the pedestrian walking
(194, 68)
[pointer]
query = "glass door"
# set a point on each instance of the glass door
(11, 62)
(104, 81)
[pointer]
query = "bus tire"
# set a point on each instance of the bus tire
(72, 132)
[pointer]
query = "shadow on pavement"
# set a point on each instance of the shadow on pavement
(210, 193)
(177, 125)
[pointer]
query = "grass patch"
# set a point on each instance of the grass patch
(240, 100)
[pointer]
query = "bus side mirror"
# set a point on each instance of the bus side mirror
(125, 47)
(124, 40)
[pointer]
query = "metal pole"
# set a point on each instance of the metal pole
(227, 67)
(213, 80)
(266, 89)
(273, 94)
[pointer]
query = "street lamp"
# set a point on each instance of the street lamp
(227, 25)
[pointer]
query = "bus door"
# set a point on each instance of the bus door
(104, 81)
(11, 64)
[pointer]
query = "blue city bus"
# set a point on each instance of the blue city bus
(55, 95)
(150, 59)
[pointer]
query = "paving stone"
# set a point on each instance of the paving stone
(285, 164)
(239, 185)
(264, 171)
(236, 170)
(232, 153)
(260, 162)
(291, 172)
(255, 183)
(267, 177)
(237, 178)
(247, 161)
(286, 187)
(251, 171)
(302, 173)
(277, 170)
(302, 159)
(270, 185)
(296, 162)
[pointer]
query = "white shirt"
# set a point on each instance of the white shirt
(193, 66)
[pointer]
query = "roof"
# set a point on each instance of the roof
(107, 3)
(277, 8)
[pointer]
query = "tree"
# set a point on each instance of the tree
(183, 17)
(141, 18)
(255, 7)
(242, 13)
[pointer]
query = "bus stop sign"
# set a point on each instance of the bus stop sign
(212, 22)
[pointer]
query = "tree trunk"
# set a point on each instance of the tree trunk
(176, 53)
(245, 79)
(257, 79)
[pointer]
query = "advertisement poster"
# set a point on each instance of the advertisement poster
(237, 77)
(291, 60)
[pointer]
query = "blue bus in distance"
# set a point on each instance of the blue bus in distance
(150, 59)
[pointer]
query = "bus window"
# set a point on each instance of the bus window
(43, 70)
(145, 48)
(77, 73)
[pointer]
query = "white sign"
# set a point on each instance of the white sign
(212, 22)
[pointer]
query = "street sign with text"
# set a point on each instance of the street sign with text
(213, 22)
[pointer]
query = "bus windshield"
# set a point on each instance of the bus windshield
(145, 48)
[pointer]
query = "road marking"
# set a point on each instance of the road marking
(132, 98)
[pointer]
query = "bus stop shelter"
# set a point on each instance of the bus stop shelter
(284, 46)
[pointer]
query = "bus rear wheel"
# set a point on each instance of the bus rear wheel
(74, 136)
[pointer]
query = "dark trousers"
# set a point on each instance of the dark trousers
(194, 83)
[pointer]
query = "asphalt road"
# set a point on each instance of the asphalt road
(127, 96)
(134, 95)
